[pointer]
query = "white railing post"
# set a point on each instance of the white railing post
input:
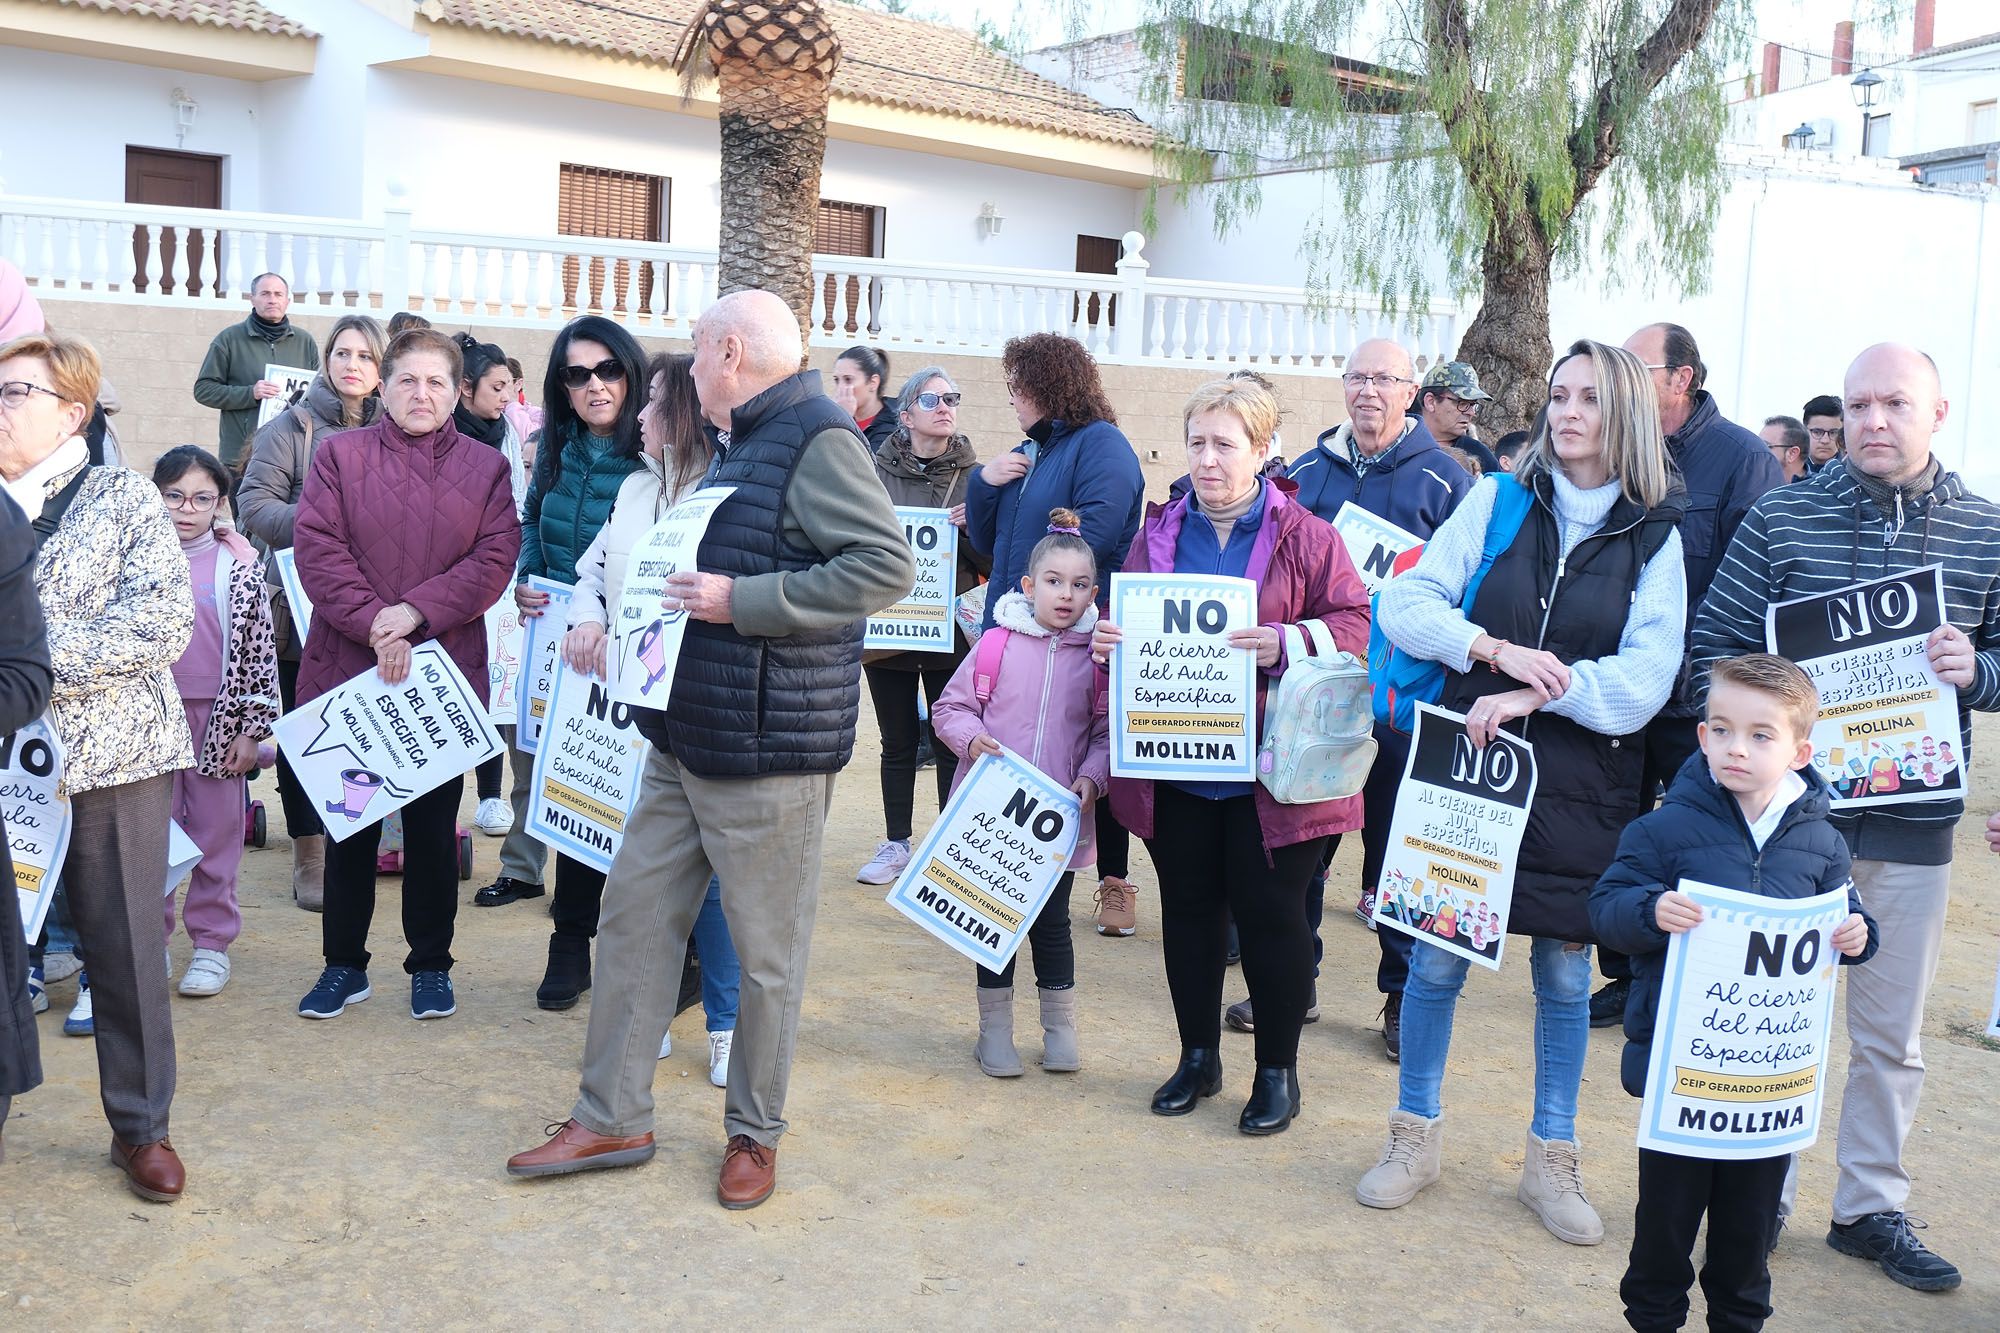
(395, 253)
(1128, 332)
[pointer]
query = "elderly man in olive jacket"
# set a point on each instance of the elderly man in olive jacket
(740, 776)
(231, 378)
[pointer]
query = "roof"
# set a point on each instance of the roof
(1955, 48)
(887, 59)
(245, 15)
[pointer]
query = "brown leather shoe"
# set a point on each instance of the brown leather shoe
(749, 1173)
(573, 1148)
(151, 1169)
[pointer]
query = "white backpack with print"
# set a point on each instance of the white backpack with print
(1319, 725)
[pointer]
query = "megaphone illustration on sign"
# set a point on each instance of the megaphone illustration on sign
(652, 654)
(357, 789)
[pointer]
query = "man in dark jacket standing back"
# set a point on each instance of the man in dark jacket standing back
(1726, 468)
(232, 380)
(740, 774)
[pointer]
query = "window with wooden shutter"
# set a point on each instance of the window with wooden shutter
(612, 205)
(856, 230)
(1097, 254)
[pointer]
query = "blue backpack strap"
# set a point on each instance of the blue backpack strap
(1511, 502)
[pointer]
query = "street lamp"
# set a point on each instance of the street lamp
(1867, 86)
(1802, 137)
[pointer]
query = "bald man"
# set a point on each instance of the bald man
(740, 773)
(1884, 508)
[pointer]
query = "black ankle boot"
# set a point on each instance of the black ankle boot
(1199, 1076)
(568, 975)
(1274, 1100)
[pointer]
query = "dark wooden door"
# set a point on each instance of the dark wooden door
(1099, 254)
(174, 180)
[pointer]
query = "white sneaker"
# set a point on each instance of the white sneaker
(207, 974)
(887, 865)
(60, 967)
(82, 1020)
(666, 1045)
(170, 962)
(718, 1057)
(494, 818)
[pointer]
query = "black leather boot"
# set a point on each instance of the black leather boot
(568, 975)
(1274, 1100)
(1199, 1076)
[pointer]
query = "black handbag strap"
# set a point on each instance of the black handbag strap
(51, 517)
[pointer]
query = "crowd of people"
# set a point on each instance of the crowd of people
(1598, 584)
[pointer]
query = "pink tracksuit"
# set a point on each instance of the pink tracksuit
(209, 810)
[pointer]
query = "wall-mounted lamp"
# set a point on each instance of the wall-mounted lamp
(990, 219)
(185, 108)
(1802, 137)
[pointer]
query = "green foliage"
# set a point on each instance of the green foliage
(1488, 134)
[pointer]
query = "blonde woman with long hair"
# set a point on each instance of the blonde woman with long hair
(1572, 642)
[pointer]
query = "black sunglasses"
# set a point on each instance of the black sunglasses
(606, 372)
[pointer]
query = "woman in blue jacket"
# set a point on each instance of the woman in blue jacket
(1075, 457)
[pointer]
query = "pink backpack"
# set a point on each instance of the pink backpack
(987, 655)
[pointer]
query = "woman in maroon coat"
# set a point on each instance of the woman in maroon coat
(1224, 845)
(406, 532)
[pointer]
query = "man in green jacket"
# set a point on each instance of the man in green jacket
(232, 374)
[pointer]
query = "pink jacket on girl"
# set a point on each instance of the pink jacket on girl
(1046, 706)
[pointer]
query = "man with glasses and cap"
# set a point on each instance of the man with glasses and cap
(1447, 401)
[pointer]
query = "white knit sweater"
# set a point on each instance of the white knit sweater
(1611, 695)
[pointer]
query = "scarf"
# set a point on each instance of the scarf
(268, 331)
(492, 432)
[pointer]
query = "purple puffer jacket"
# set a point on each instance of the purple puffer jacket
(1046, 706)
(387, 517)
(1302, 572)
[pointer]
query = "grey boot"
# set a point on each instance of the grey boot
(309, 872)
(1058, 1030)
(995, 1051)
(1552, 1185)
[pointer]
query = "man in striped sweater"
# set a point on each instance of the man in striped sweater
(1887, 506)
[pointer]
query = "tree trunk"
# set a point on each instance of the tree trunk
(774, 66)
(1508, 341)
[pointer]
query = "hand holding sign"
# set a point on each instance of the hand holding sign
(703, 596)
(1951, 656)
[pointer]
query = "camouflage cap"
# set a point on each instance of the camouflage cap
(1457, 378)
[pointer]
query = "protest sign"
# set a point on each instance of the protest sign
(1743, 1027)
(645, 636)
(503, 660)
(1373, 543)
(1183, 701)
(983, 872)
(922, 621)
(35, 809)
(366, 747)
(1993, 1018)
(292, 382)
(586, 777)
(182, 856)
(541, 644)
(1455, 838)
(1888, 727)
(295, 594)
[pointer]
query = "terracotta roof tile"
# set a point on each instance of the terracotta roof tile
(244, 14)
(888, 59)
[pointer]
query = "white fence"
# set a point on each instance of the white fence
(142, 254)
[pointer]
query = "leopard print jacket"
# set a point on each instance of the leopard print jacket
(248, 703)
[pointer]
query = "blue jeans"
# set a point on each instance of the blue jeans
(721, 974)
(1562, 1030)
(61, 933)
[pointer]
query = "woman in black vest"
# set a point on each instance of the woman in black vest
(1572, 642)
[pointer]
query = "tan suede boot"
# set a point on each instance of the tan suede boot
(1412, 1159)
(309, 872)
(1552, 1185)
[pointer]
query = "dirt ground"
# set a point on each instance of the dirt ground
(349, 1173)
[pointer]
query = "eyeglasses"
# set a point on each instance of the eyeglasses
(1358, 382)
(201, 502)
(929, 402)
(16, 392)
(605, 372)
(1823, 432)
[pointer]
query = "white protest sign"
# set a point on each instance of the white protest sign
(292, 382)
(922, 621)
(646, 638)
(541, 645)
(586, 777)
(367, 747)
(504, 636)
(1993, 1019)
(1373, 543)
(35, 810)
(988, 865)
(1744, 1024)
(295, 594)
(1183, 701)
(182, 856)
(1888, 727)
(1455, 838)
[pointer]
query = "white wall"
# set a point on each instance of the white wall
(316, 129)
(91, 109)
(1926, 102)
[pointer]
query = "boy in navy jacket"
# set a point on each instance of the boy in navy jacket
(1747, 812)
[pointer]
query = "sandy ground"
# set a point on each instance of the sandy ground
(349, 1172)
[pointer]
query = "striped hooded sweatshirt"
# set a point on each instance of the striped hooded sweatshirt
(1829, 531)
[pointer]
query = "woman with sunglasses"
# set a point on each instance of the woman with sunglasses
(594, 390)
(924, 463)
